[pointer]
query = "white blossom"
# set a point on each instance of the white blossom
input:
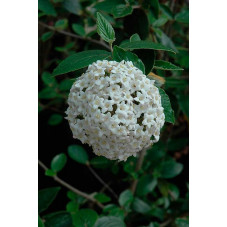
(116, 109)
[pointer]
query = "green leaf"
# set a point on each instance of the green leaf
(168, 111)
(78, 154)
(50, 173)
(158, 213)
(165, 40)
(173, 189)
(168, 189)
(117, 212)
(55, 119)
(114, 210)
(58, 162)
(80, 60)
(146, 185)
(140, 206)
(85, 217)
(156, 153)
(125, 199)
(166, 11)
(46, 7)
(76, 198)
(46, 197)
(109, 221)
(183, 16)
(169, 169)
(79, 29)
(180, 222)
(135, 37)
(155, 7)
(109, 207)
(72, 207)
(73, 6)
(48, 79)
(145, 45)
(105, 29)
(102, 198)
(160, 22)
(48, 93)
(40, 222)
(66, 84)
(176, 82)
(61, 24)
(107, 5)
(100, 162)
(65, 48)
(119, 54)
(165, 65)
(121, 10)
(47, 35)
(58, 219)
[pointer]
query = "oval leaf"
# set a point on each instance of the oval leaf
(73, 6)
(168, 111)
(126, 198)
(80, 60)
(78, 154)
(140, 206)
(135, 37)
(46, 197)
(121, 10)
(165, 65)
(58, 162)
(58, 219)
(79, 29)
(145, 45)
(48, 79)
(46, 36)
(100, 162)
(55, 119)
(85, 217)
(107, 5)
(146, 185)
(102, 198)
(47, 7)
(105, 29)
(170, 169)
(109, 221)
(119, 54)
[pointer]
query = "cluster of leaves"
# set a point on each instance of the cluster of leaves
(158, 45)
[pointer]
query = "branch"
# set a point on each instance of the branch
(138, 167)
(101, 181)
(83, 194)
(75, 36)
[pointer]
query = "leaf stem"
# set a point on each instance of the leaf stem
(101, 181)
(75, 190)
(138, 167)
(75, 36)
(111, 48)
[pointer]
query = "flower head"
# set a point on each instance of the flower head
(115, 109)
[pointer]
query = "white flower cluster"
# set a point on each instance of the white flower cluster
(115, 109)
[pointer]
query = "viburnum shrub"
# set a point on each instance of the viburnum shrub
(115, 103)
(113, 106)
